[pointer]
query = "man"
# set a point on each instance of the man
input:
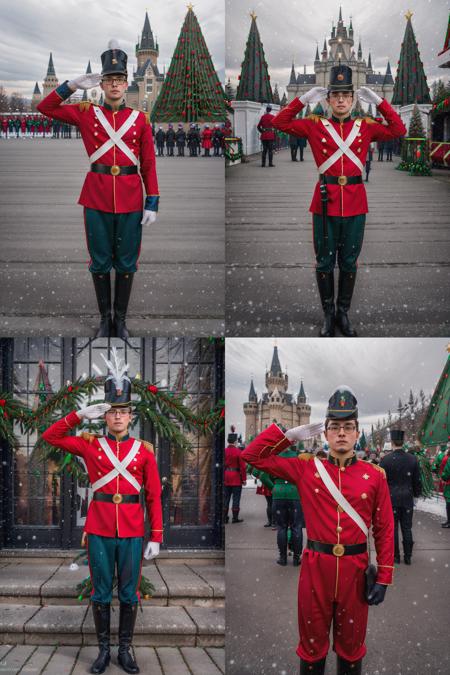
(180, 138)
(160, 138)
(206, 140)
(192, 141)
(217, 140)
(403, 477)
(445, 478)
(339, 204)
(235, 476)
(170, 140)
(267, 136)
(332, 577)
(119, 467)
(116, 138)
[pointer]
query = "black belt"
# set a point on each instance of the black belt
(231, 469)
(116, 498)
(340, 180)
(336, 549)
(113, 170)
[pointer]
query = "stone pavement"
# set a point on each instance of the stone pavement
(403, 281)
(406, 634)
(44, 282)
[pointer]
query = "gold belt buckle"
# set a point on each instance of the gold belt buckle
(115, 170)
(342, 180)
(338, 550)
(117, 498)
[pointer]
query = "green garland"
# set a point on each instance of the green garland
(84, 588)
(426, 474)
(230, 154)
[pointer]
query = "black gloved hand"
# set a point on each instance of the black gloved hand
(377, 594)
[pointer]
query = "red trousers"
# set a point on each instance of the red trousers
(330, 590)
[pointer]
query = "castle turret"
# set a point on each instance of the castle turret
(36, 98)
(275, 377)
(251, 413)
(50, 80)
(147, 48)
(303, 409)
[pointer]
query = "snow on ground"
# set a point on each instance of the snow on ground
(435, 506)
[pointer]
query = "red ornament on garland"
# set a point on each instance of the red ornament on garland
(152, 388)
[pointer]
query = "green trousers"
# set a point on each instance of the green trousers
(104, 553)
(345, 238)
(113, 240)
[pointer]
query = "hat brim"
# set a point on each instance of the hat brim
(115, 72)
(341, 87)
(342, 414)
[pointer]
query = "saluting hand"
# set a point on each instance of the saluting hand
(93, 412)
(314, 95)
(86, 81)
(305, 431)
(368, 96)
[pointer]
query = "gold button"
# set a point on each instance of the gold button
(99, 473)
(363, 496)
(134, 468)
(340, 509)
(324, 151)
(316, 490)
(96, 147)
(359, 149)
(342, 468)
(316, 475)
(99, 456)
(359, 140)
(339, 528)
(95, 125)
(95, 133)
(135, 132)
(324, 140)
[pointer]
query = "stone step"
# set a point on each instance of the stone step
(70, 660)
(73, 625)
(190, 583)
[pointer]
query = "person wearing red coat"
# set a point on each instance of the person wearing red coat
(339, 146)
(332, 578)
(117, 140)
(207, 140)
(267, 135)
(119, 467)
(235, 476)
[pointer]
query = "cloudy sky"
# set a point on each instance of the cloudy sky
(290, 29)
(79, 30)
(379, 371)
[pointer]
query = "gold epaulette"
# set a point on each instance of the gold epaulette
(84, 105)
(375, 466)
(305, 456)
(148, 446)
(147, 117)
(369, 120)
(86, 436)
(314, 118)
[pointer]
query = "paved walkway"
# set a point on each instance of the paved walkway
(44, 283)
(406, 634)
(404, 272)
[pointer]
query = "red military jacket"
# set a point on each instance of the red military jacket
(364, 485)
(105, 192)
(346, 200)
(206, 138)
(265, 127)
(106, 518)
(234, 468)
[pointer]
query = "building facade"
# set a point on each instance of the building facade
(41, 508)
(144, 89)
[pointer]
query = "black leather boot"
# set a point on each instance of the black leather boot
(282, 560)
(102, 285)
(102, 615)
(325, 284)
(348, 667)
(345, 292)
(407, 550)
(296, 560)
(236, 518)
(127, 620)
(447, 524)
(122, 292)
(312, 667)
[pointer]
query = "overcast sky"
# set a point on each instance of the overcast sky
(79, 30)
(290, 29)
(379, 371)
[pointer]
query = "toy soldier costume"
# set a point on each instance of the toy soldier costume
(235, 476)
(339, 205)
(342, 497)
(119, 467)
(117, 141)
(265, 128)
(403, 477)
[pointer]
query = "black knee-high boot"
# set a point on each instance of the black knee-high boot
(348, 667)
(102, 285)
(325, 284)
(312, 667)
(102, 620)
(122, 292)
(127, 619)
(345, 293)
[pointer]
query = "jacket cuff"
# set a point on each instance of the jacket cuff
(156, 536)
(272, 441)
(385, 574)
(64, 91)
(152, 203)
(72, 419)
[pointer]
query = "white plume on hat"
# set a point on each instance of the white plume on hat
(113, 44)
(117, 368)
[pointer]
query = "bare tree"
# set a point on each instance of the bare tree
(17, 103)
(4, 107)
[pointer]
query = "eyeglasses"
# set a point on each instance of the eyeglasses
(116, 80)
(119, 411)
(348, 427)
(335, 96)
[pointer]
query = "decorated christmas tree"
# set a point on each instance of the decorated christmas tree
(416, 129)
(276, 95)
(191, 91)
(410, 82)
(254, 80)
(435, 429)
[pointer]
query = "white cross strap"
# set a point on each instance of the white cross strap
(339, 497)
(115, 136)
(120, 467)
(343, 146)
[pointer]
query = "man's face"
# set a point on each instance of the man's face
(341, 102)
(341, 435)
(114, 86)
(118, 420)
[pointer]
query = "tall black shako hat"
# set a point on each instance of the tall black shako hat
(340, 78)
(342, 404)
(232, 436)
(114, 60)
(397, 435)
(117, 383)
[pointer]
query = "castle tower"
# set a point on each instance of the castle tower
(303, 409)
(251, 413)
(276, 405)
(147, 48)
(50, 80)
(36, 98)
(275, 378)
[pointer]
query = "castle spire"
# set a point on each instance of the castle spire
(252, 394)
(51, 67)
(275, 368)
(301, 394)
(293, 78)
(317, 53)
(147, 41)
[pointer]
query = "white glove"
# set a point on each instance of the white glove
(305, 431)
(314, 95)
(151, 550)
(85, 81)
(148, 217)
(368, 96)
(93, 412)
